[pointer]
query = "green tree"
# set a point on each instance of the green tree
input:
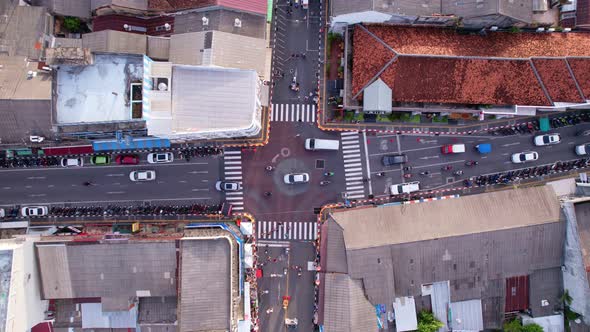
(532, 328)
(72, 24)
(513, 326)
(427, 322)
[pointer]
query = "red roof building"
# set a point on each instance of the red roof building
(517, 294)
(433, 65)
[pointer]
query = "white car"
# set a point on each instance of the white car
(548, 139)
(34, 211)
(404, 188)
(293, 178)
(228, 186)
(583, 149)
(160, 157)
(72, 162)
(523, 157)
(138, 176)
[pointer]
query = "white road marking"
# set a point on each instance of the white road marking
(511, 144)
(36, 178)
(429, 157)
(37, 195)
(115, 192)
(117, 174)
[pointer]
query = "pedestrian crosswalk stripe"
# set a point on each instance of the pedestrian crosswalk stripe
(348, 147)
(355, 196)
(351, 156)
(354, 187)
(232, 152)
(292, 230)
(349, 140)
(351, 151)
(293, 112)
(232, 169)
(353, 169)
(348, 133)
(352, 165)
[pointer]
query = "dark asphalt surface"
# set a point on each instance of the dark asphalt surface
(279, 284)
(424, 154)
(176, 183)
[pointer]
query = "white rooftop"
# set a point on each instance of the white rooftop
(207, 102)
(404, 309)
(377, 97)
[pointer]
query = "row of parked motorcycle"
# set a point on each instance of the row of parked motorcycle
(30, 162)
(200, 151)
(526, 173)
(117, 210)
(533, 126)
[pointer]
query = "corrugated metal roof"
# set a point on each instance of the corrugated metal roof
(205, 299)
(467, 316)
(546, 288)
(377, 97)
(404, 309)
(346, 308)
(517, 293)
(373, 227)
(441, 302)
(105, 270)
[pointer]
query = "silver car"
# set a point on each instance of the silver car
(139, 176)
(160, 157)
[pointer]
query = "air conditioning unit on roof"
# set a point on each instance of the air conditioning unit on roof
(237, 23)
(205, 21)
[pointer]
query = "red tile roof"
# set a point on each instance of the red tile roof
(375, 56)
(255, 6)
(441, 66)
(581, 69)
(557, 79)
(438, 41)
(116, 22)
(464, 81)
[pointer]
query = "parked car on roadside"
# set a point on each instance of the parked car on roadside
(394, 159)
(72, 162)
(523, 157)
(404, 188)
(34, 211)
(140, 176)
(160, 157)
(228, 186)
(583, 149)
(547, 139)
(100, 160)
(294, 178)
(127, 159)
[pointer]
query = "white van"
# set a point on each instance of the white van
(404, 188)
(321, 144)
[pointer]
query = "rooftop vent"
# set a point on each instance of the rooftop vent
(540, 29)
(205, 21)
(237, 23)
(494, 28)
(567, 29)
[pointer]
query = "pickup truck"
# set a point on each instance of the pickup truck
(453, 148)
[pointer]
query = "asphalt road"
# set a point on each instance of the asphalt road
(178, 182)
(424, 154)
(295, 33)
(285, 152)
(275, 284)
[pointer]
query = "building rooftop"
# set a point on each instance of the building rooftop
(521, 10)
(217, 48)
(366, 228)
(15, 83)
(185, 108)
(468, 241)
(23, 28)
(111, 270)
(254, 6)
(253, 25)
(519, 69)
(97, 92)
(205, 299)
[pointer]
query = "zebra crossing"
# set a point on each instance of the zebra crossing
(292, 113)
(232, 167)
(353, 167)
(292, 230)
